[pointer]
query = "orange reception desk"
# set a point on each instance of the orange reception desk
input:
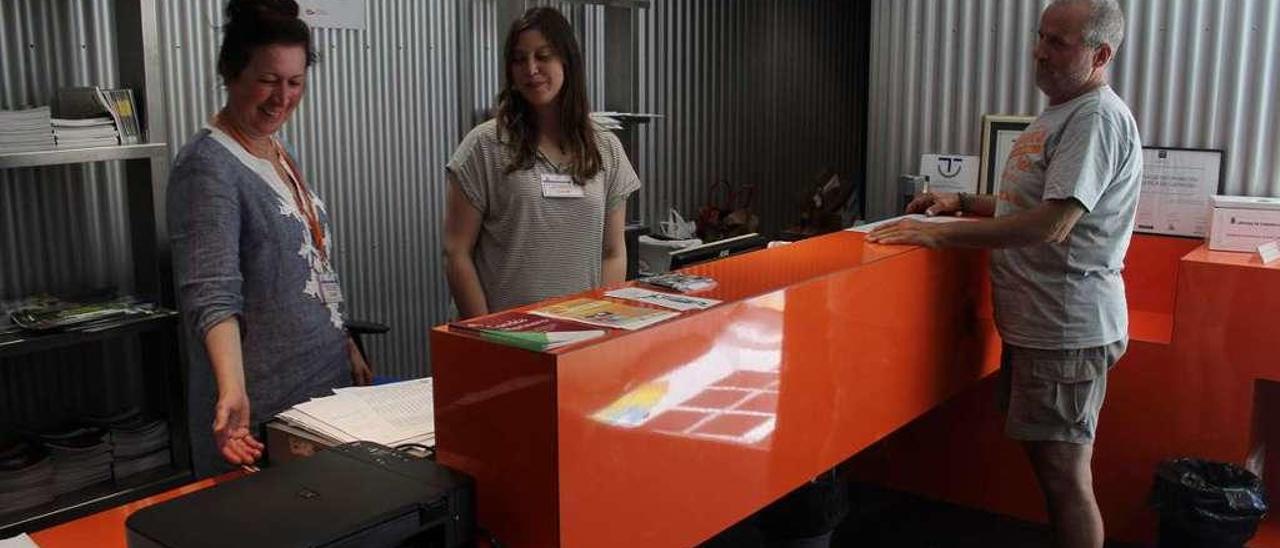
(667, 435)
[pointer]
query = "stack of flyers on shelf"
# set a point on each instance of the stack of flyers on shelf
(81, 458)
(528, 331)
(684, 283)
(26, 476)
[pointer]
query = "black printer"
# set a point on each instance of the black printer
(357, 494)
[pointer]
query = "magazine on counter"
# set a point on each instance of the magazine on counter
(529, 331)
(605, 313)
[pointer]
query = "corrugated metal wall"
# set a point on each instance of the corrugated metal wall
(761, 92)
(373, 133)
(758, 92)
(1197, 73)
(62, 229)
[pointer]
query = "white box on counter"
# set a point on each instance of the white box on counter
(1242, 223)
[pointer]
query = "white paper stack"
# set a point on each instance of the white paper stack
(389, 414)
(86, 132)
(25, 130)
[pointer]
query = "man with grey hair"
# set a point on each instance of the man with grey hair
(1060, 229)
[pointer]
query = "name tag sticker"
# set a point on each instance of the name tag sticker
(555, 185)
(330, 291)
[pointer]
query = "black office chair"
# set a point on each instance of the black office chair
(358, 328)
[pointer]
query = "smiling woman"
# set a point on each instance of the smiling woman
(537, 196)
(252, 252)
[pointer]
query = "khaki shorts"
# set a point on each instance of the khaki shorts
(1055, 395)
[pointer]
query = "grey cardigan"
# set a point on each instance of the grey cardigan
(241, 248)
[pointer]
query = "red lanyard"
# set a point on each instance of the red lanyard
(301, 198)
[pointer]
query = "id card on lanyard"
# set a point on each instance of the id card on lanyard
(330, 289)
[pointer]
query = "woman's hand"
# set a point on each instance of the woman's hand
(231, 429)
(361, 373)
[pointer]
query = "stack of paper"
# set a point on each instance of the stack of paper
(88, 132)
(25, 130)
(26, 477)
(81, 457)
(389, 414)
(137, 445)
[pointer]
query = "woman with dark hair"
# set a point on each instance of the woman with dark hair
(537, 196)
(252, 251)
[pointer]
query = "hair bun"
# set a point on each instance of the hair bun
(249, 11)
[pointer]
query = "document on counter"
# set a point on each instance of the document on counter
(1177, 186)
(389, 414)
(868, 227)
(665, 300)
(20, 541)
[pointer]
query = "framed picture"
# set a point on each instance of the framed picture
(999, 131)
(1178, 185)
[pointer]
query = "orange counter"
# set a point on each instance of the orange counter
(1199, 379)
(668, 435)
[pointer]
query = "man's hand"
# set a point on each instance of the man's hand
(231, 429)
(907, 232)
(361, 373)
(935, 203)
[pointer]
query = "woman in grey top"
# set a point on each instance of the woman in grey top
(537, 196)
(251, 244)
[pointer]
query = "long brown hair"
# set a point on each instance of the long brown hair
(516, 120)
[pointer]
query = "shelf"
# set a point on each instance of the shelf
(644, 4)
(63, 156)
(93, 499)
(17, 342)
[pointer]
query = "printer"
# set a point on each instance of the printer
(356, 494)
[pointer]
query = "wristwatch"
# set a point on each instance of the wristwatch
(963, 197)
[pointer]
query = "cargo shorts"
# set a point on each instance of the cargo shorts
(1055, 395)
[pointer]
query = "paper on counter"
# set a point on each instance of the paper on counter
(665, 300)
(866, 228)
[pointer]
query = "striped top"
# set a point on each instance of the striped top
(532, 248)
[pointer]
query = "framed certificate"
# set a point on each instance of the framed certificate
(999, 131)
(1177, 186)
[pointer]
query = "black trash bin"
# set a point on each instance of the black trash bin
(1206, 504)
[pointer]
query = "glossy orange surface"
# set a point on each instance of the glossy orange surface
(1205, 391)
(667, 435)
(105, 529)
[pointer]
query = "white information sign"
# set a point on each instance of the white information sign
(1177, 186)
(334, 14)
(950, 173)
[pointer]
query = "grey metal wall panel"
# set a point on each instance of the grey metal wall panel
(62, 229)
(373, 133)
(756, 93)
(1196, 73)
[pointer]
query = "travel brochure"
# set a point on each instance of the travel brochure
(578, 320)
(529, 331)
(605, 313)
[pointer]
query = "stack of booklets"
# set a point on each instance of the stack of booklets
(529, 331)
(25, 130)
(26, 476)
(81, 457)
(84, 133)
(95, 103)
(138, 444)
(684, 283)
(390, 414)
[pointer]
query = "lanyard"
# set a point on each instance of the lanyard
(301, 198)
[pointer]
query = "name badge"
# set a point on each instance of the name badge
(556, 185)
(330, 291)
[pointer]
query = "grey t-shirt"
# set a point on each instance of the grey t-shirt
(1070, 295)
(530, 247)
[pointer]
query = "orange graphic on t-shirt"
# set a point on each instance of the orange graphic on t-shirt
(1021, 158)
